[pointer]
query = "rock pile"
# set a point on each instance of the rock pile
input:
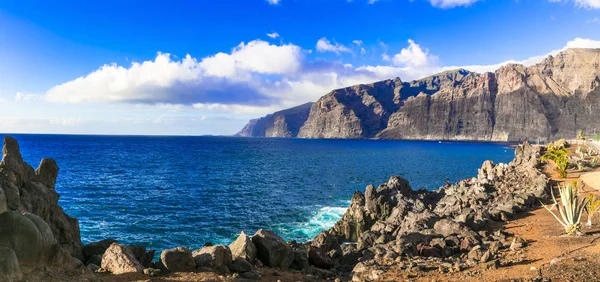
(446, 229)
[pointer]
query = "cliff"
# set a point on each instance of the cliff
(550, 100)
(284, 123)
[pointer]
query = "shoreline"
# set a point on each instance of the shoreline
(373, 236)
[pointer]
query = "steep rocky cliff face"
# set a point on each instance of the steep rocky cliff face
(552, 99)
(284, 123)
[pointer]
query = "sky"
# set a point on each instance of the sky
(152, 67)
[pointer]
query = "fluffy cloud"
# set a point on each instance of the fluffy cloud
(413, 56)
(445, 4)
(222, 78)
(324, 45)
(273, 2)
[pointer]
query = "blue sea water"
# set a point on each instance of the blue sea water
(163, 192)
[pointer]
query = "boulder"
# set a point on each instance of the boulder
(321, 246)
(9, 265)
(212, 256)
(119, 259)
(244, 248)
(272, 250)
(240, 265)
(143, 256)
(32, 241)
(178, 259)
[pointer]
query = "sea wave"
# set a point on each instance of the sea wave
(322, 219)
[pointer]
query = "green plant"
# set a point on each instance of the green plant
(580, 135)
(597, 137)
(594, 163)
(580, 166)
(592, 207)
(571, 210)
(559, 156)
(580, 152)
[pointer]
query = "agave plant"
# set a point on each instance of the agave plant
(592, 207)
(580, 166)
(570, 210)
(594, 163)
(580, 152)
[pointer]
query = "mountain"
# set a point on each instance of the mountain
(284, 123)
(549, 100)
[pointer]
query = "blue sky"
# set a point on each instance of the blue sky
(206, 67)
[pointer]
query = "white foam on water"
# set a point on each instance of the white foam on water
(322, 219)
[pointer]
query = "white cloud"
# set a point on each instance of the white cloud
(273, 2)
(273, 35)
(358, 42)
(588, 4)
(413, 56)
(445, 4)
(220, 78)
(324, 45)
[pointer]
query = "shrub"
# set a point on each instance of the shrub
(597, 137)
(559, 156)
(570, 210)
(592, 207)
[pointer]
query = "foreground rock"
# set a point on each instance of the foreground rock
(24, 189)
(31, 240)
(119, 259)
(272, 250)
(213, 257)
(392, 221)
(9, 265)
(178, 259)
(243, 248)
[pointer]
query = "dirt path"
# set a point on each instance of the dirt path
(591, 179)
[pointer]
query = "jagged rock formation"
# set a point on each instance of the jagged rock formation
(24, 190)
(550, 100)
(284, 123)
(452, 223)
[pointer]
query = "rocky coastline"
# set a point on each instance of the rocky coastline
(450, 229)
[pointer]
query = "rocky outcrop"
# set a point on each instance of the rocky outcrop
(9, 265)
(284, 123)
(26, 190)
(550, 100)
(392, 221)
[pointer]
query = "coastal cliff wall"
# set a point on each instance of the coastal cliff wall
(552, 99)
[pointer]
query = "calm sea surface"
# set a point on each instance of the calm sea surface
(164, 192)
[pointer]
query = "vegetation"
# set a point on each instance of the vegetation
(580, 166)
(570, 210)
(594, 163)
(597, 137)
(592, 207)
(580, 135)
(559, 155)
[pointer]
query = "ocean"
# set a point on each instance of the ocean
(163, 192)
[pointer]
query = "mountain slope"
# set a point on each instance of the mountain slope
(552, 99)
(285, 123)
